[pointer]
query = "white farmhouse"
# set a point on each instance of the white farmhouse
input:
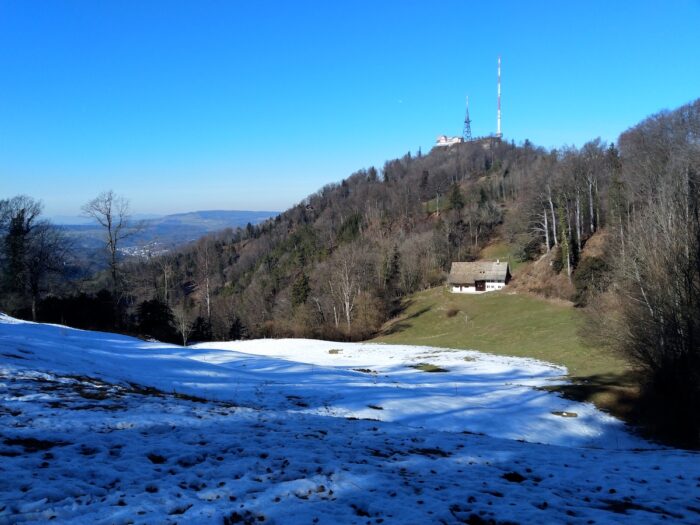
(478, 276)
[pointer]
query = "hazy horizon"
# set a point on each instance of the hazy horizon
(78, 219)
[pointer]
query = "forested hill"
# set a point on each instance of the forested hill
(339, 263)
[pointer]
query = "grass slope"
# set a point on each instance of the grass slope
(504, 252)
(519, 325)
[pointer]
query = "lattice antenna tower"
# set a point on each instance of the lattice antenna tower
(467, 135)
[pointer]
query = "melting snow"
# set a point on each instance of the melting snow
(103, 428)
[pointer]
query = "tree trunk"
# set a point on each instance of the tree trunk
(597, 205)
(347, 313)
(622, 239)
(565, 248)
(166, 291)
(204, 264)
(578, 222)
(590, 205)
(554, 217)
(115, 297)
(567, 234)
(208, 301)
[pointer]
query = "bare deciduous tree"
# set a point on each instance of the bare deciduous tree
(204, 272)
(183, 322)
(344, 283)
(658, 284)
(111, 211)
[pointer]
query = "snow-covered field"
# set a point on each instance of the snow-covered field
(102, 428)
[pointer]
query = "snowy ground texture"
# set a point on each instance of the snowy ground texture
(101, 428)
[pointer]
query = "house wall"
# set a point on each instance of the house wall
(463, 289)
(491, 286)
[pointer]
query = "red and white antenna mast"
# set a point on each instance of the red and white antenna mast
(498, 124)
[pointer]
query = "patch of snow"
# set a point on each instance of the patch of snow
(103, 428)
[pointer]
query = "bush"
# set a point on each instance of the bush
(201, 330)
(592, 276)
(237, 329)
(526, 247)
(88, 312)
(557, 263)
(670, 402)
(530, 250)
(156, 320)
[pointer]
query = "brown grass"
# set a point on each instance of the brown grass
(428, 367)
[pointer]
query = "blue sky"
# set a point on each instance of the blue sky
(253, 105)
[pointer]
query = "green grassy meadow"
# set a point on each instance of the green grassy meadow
(518, 325)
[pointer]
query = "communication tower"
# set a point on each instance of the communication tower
(467, 135)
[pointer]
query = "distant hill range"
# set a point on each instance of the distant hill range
(167, 232)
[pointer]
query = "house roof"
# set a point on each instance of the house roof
(469, 272)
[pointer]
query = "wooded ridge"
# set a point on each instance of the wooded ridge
(341, 262)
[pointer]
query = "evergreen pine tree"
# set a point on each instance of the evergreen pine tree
(456, 198)
(300, 290)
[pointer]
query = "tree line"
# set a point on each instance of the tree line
(32, 255)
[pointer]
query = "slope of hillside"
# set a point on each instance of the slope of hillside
(279, 278)
(501, 323)
(104, 428)
(511, 324)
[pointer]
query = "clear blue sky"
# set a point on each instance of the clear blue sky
(253, 105)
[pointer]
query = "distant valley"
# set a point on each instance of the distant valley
(161, 234)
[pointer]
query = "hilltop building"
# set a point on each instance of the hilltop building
(486, 142)
(444, 141)
(478, 276)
